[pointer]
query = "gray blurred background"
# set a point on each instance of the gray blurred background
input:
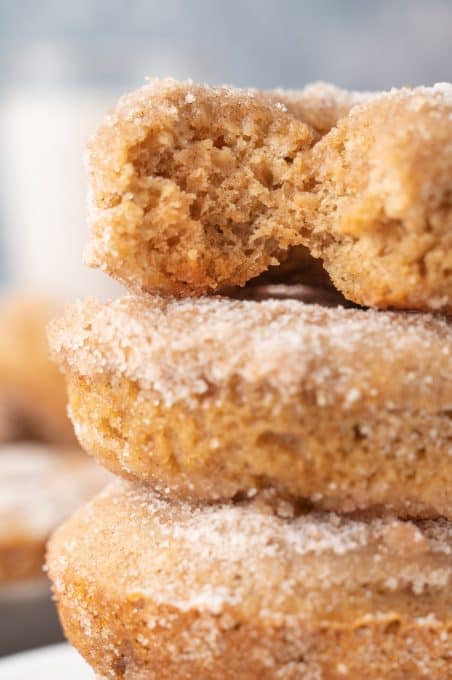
(64, 63)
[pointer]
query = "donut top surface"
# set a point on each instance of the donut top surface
(319, 104)
(40, 487)
(212, 558)
(184, 349)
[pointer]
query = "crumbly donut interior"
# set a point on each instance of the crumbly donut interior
(206, 179)
(196, 189)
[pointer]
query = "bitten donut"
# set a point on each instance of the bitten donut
(383, 179)
(194, 189)
(32, 391)
(148, 588)
(39, 487)
(212, 397)
(183, 184)
(319, 106)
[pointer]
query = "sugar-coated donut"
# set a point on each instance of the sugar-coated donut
(319, 105)
(195, 188)
(150, 589)
(212, 397)
(39, 487)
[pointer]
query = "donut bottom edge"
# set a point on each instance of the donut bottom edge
(386, 647)
(153, 589)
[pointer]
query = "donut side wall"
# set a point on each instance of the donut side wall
(234, 442)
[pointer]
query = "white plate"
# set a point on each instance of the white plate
(48, 663)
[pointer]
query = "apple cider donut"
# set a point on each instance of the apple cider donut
(39, 487)
(194, 189)
(153, 589)
(207, 398)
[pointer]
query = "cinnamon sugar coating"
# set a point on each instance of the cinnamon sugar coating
(320, 105)
(194, 189)
(212, 397)
(39, 487)
(151, 589)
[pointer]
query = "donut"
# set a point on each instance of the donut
(39, 487)
(210, 398)
(32, 390)
(263, 290)
(195, 189)
(148, 588)
(383, 179)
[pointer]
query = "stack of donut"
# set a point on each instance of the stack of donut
(285, 496)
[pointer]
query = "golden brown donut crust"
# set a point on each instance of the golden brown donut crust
(209, 398)
(150, 589)
(39, 487)
(32, 390)
(384, 179)
(195, 189)
(320, 105)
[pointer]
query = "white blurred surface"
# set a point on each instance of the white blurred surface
(43, 137)
(48, 663)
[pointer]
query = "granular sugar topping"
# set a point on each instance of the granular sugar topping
(209, 557)
(183, 348)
